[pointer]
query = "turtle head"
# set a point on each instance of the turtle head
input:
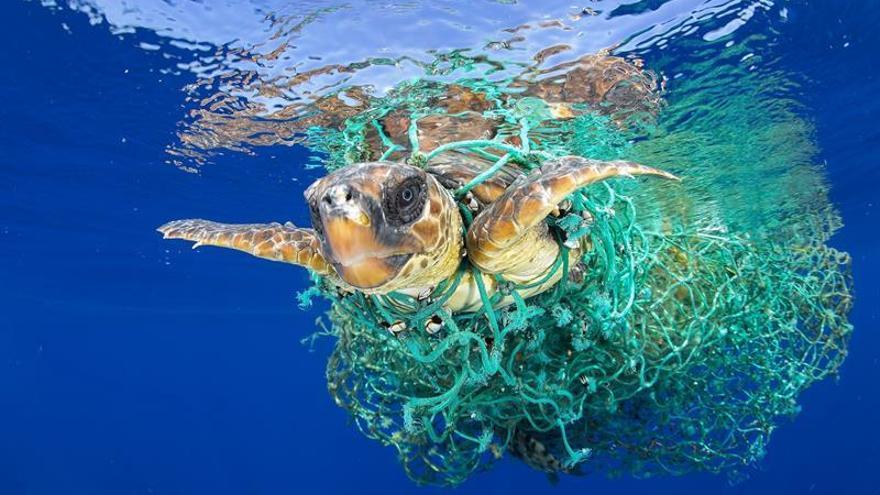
(382, 225)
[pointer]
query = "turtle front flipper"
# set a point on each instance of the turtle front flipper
(510, 237)
(272, 241)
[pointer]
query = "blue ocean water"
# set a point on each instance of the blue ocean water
(131, 365)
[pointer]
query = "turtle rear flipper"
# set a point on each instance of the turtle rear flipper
(502, 237)
(272, 241)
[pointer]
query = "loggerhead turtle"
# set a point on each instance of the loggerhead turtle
(382, 227)
(386, 226)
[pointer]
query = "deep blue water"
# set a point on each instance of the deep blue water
(129, 365)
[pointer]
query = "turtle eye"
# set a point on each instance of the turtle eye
(405, 202)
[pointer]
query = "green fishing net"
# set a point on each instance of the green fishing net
(675, 345)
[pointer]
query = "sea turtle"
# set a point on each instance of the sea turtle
(387, 226)
(380, 227)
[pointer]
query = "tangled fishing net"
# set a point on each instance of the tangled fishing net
(675, 346)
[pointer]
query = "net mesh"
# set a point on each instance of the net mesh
(674, 346)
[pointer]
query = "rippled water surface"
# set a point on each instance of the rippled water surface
(133, 366)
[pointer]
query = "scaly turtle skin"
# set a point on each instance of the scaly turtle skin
(381, 227)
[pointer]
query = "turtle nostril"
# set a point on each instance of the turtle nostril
(338, 196)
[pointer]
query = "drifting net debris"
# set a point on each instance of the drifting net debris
(673, 346)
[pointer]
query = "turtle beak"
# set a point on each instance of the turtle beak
(347, 227)
(351, 242)
(358, 257)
